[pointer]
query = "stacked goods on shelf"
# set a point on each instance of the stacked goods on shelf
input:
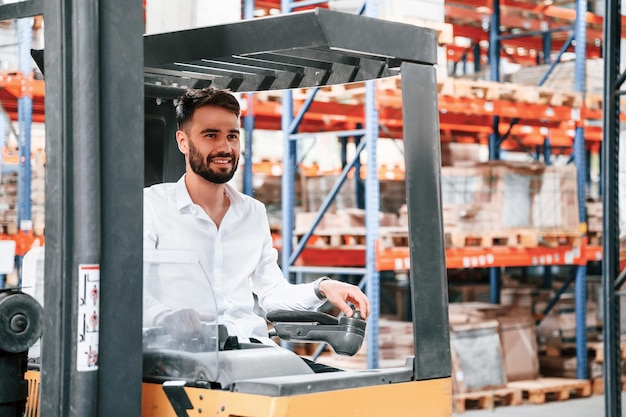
(557, 331)
(529, 299)
(508, 91)
(558, 328)
(8, 203)
(9, 198)
(316, 189)
(562, 78)
(267, 188)
(594, 227)
(38, 197)
(344, 227)
(510, 204)
(594, 222)
(501, 203)
(453, 153)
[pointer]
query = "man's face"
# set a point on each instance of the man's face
(213, 146)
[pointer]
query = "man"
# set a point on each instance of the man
(227, 231)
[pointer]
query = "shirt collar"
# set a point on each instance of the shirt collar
(183, 199)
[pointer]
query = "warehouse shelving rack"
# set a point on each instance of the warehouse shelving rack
(546, 127)
(579, 32)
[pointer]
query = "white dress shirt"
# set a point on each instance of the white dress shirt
(238, 259)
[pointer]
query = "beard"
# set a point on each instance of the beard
(201, 166)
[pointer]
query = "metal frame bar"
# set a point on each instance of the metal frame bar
(428, 277)
(94, 196)
(611, 278)
(21, 9)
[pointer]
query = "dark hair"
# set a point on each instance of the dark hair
(208, 96)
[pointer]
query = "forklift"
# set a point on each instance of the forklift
(109, 132)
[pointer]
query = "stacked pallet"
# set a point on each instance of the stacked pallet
(596, 360)
(485, 356)
(495, 358)
(508, 91)
(342, 228)
(562, 76)
(558, 328)
(510, 204)
(562, 79)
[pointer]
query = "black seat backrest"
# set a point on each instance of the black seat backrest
(163, 160)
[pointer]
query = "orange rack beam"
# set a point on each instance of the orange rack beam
(24, 241)
(398, 258)
(16, 85)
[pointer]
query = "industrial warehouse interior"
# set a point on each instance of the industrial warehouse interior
(420, 203)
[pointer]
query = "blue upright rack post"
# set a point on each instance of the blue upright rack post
(494, 137)
(581, 166)
(248, 119)
(372, 198)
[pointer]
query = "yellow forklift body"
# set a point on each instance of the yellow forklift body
(432, 398)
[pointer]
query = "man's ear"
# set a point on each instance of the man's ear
(181, 139)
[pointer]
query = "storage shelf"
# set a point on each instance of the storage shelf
(470, 117)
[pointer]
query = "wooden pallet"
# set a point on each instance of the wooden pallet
(559, 238)
(530, 238)
(335, 239)
(485, 239)
(596, 349)
(486, 400)
(538, 391)
(392, 237)
(597, 385)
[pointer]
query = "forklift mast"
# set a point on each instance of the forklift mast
(103, 77)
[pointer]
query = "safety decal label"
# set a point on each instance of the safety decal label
(88, 317)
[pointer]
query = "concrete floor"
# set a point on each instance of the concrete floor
(576, 407)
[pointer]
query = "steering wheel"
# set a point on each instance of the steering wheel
(344, 334)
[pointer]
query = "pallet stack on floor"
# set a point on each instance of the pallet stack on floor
(495, 359)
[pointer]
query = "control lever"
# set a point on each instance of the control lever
(344, 334)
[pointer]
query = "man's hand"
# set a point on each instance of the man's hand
(340, 294)
(182, 324)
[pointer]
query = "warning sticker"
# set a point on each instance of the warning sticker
(88, 317)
